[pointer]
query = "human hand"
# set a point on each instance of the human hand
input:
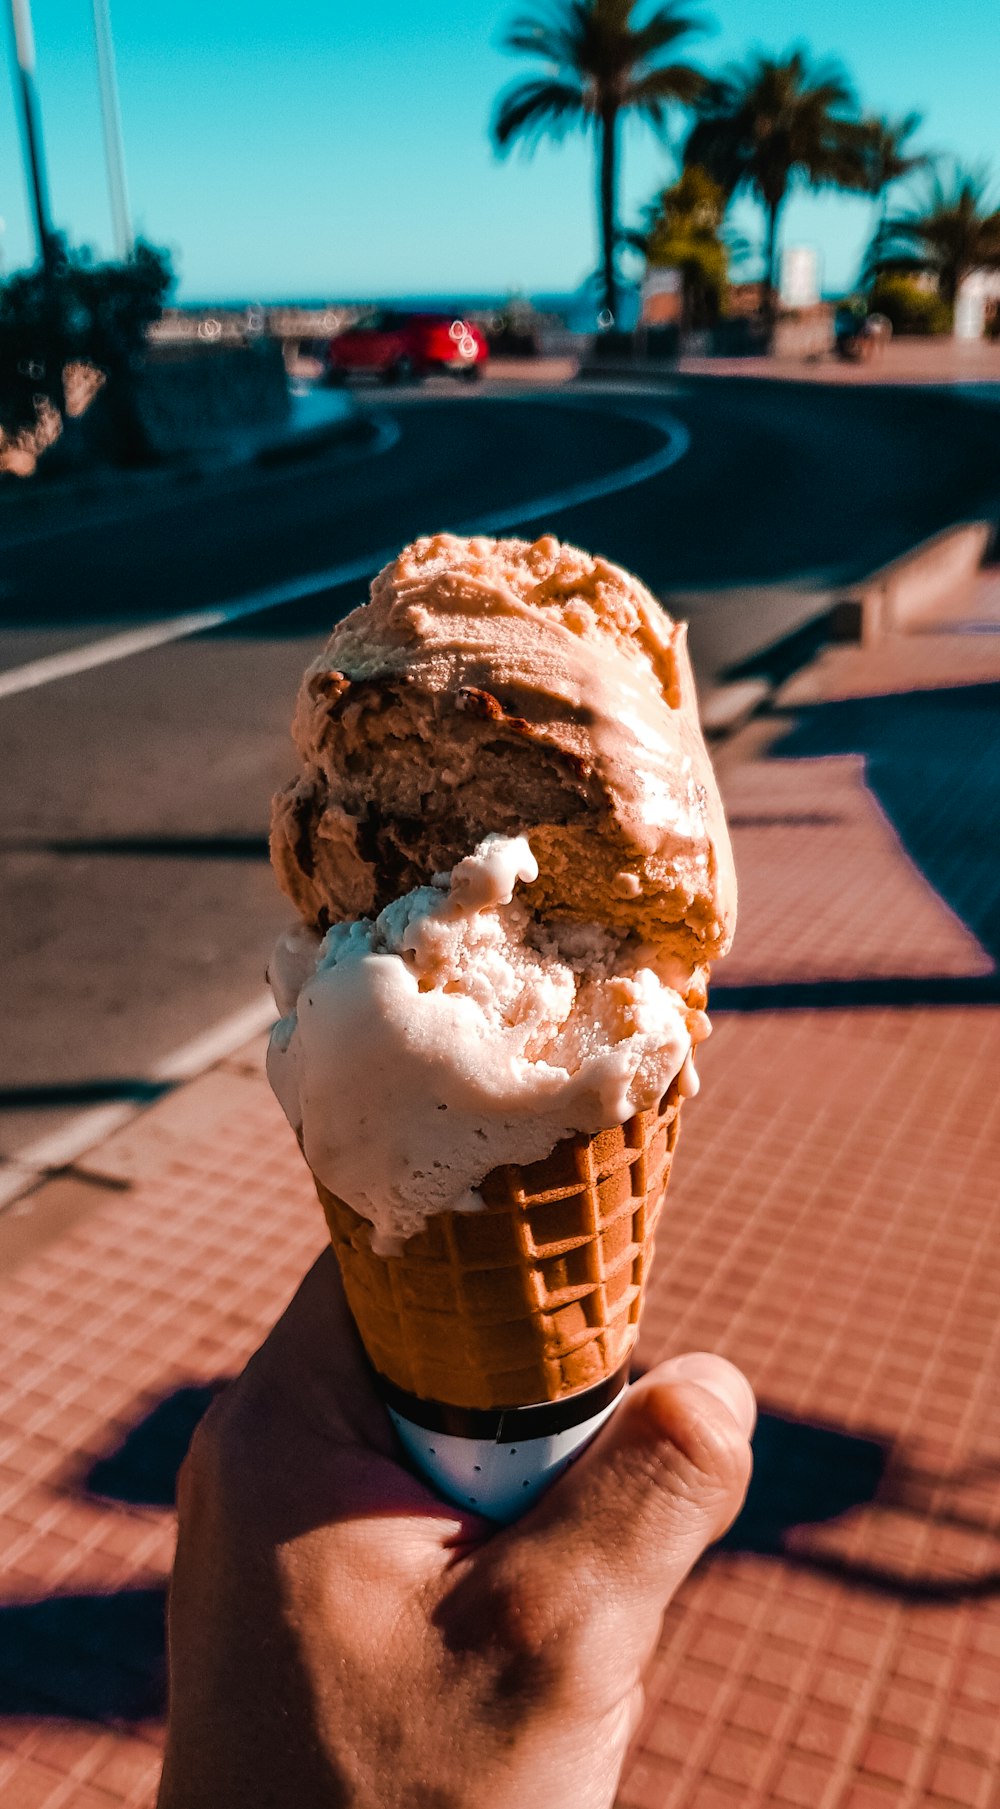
(340, 1636)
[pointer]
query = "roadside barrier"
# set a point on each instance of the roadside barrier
(922, 586)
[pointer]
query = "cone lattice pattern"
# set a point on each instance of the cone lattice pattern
(534, 1297)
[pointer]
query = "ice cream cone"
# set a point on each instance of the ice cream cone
(510, 859)
(530, 1300)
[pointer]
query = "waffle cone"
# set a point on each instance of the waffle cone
(534, 1297)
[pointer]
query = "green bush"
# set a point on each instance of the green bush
(78, 312)
(910, 308)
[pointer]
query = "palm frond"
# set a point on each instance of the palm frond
(670, 84)
(531, 110)
(955, 230)
(662, 30)
(884, 150)
(770, 121)
(718, 143)
(555, 37)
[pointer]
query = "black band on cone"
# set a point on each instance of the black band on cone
(503, 1423)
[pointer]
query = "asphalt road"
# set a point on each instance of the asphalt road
(136, 904)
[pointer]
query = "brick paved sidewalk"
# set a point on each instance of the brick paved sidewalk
(920, 361)
(834, 1227)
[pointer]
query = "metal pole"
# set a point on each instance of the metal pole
(112, 122)
(24, 46)
(52, 341)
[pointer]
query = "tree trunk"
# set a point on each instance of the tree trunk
(687, 302)
(869, 270)
(608, 160)
(771, 271)
(950, 281)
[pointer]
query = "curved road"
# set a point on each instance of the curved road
(136, 904)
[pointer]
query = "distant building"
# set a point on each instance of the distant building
(799, 279)
(744, 300)
(661, 298)
(976, 304)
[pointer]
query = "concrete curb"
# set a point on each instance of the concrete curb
(909, 592)
(308, 440)
(926, 586)
(726, 708)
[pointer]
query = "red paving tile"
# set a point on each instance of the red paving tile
(709, 1794)
(803, 1783)
(130, 1771)
(739, 1758)
(649, 1784)
(871, 1796)
(895, 1759)
(961, 1781)
(833, 1227)
(35, 1786)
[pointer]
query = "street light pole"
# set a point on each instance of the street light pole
(112, 122)
(52, 341)
(24, 47)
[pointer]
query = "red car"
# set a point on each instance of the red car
(401, 347)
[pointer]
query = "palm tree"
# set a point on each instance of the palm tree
(601, 62)
(954, 232)
(684, 232)
(768, 124)
(887, 159)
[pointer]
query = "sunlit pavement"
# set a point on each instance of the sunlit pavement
(947, 361)
(833, 1227)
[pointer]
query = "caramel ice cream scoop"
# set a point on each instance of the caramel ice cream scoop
(507, 688)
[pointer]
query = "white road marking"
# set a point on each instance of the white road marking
(213, 1045)
(296, 590)
(87, 1129)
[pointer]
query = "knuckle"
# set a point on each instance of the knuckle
(515, 1626)
(518, 1616)
(709, 1460)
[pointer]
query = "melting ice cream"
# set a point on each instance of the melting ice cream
(456, 1031)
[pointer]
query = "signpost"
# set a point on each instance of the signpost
(111, 119)
(34, 157)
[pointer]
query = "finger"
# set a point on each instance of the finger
(664, 1478)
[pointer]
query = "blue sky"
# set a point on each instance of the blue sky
(329, 148)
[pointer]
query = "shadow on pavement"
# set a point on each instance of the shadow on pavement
(45, 1094)
(85, 1657)
(803, 1474)
(808, 1476)
(102, 1656)
(142, 1470)
(932, 759)
(899, 993)
(167, 847)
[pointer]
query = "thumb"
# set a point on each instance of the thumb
(665, 1477)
